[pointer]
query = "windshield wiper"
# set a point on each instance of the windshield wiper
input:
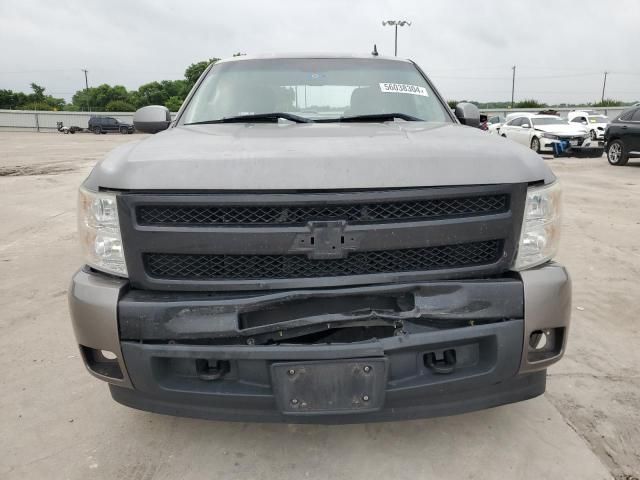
(257, 117)
(379, 117)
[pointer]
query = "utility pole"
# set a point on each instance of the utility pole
(86, 87)
(513, 84)
(604, 84)
(396, 24)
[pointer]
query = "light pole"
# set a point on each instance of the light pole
(513, 84)
(604, 84)
(396, 24)
(86, 87)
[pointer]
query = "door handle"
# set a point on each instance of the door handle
(624, 127)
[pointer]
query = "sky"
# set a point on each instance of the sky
(561, 48)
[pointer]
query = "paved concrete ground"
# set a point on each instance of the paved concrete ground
(56, 421)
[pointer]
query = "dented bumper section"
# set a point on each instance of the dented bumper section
(399, 351)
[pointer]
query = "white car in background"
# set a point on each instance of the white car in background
(550, 133)
(595, 122)
(494, 123)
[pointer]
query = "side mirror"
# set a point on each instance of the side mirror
(468, 114)
(525, 125)
(152, 119)
(584, 122)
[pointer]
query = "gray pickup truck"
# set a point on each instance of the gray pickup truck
(319, 239)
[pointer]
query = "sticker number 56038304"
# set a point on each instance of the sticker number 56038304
(403, 88)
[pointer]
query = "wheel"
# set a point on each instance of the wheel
(616, 153)
(535, 144)
(124, 130)
(503, 135)
(97, 130)
(66, 132)
(593, 134)
(72, 131)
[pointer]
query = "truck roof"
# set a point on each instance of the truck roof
(270, 56)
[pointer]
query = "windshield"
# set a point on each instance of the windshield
(316, 89)
(598, 119)
(548, 121)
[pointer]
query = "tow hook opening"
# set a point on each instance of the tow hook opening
(545, 344)
(210, 370)
(442, 362)
(102, 362)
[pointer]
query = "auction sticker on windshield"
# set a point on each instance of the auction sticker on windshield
(403, 88)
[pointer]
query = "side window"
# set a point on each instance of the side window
(576, 120)
(516, 122)
(627, 116)
(636, 116)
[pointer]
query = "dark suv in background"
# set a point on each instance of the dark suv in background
(109, 124)
(622, 137)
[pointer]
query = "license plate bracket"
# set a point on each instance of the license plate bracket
(330, 387)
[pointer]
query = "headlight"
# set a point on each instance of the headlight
(99, 232)
(540, 226)
(550, 136)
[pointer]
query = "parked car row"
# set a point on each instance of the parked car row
(98, 125)
(550, 133)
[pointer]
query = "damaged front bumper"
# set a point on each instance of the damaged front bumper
(325, 355)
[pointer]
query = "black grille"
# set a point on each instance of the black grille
(194, 215)
(252, 267)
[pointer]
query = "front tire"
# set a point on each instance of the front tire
(593, 135)
(97, 130)
(124, 130)
(535, 144)
(616, 153)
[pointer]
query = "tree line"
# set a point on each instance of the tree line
(108, 98)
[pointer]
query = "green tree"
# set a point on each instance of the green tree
(609, 102)
(170, 93)
(119, 106)
(36, 106)
(174, 103)
(38, 92)
(530, 103)
(12, 100)
(98, 97)
(193, 71)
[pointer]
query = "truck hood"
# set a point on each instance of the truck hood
(317, 156)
